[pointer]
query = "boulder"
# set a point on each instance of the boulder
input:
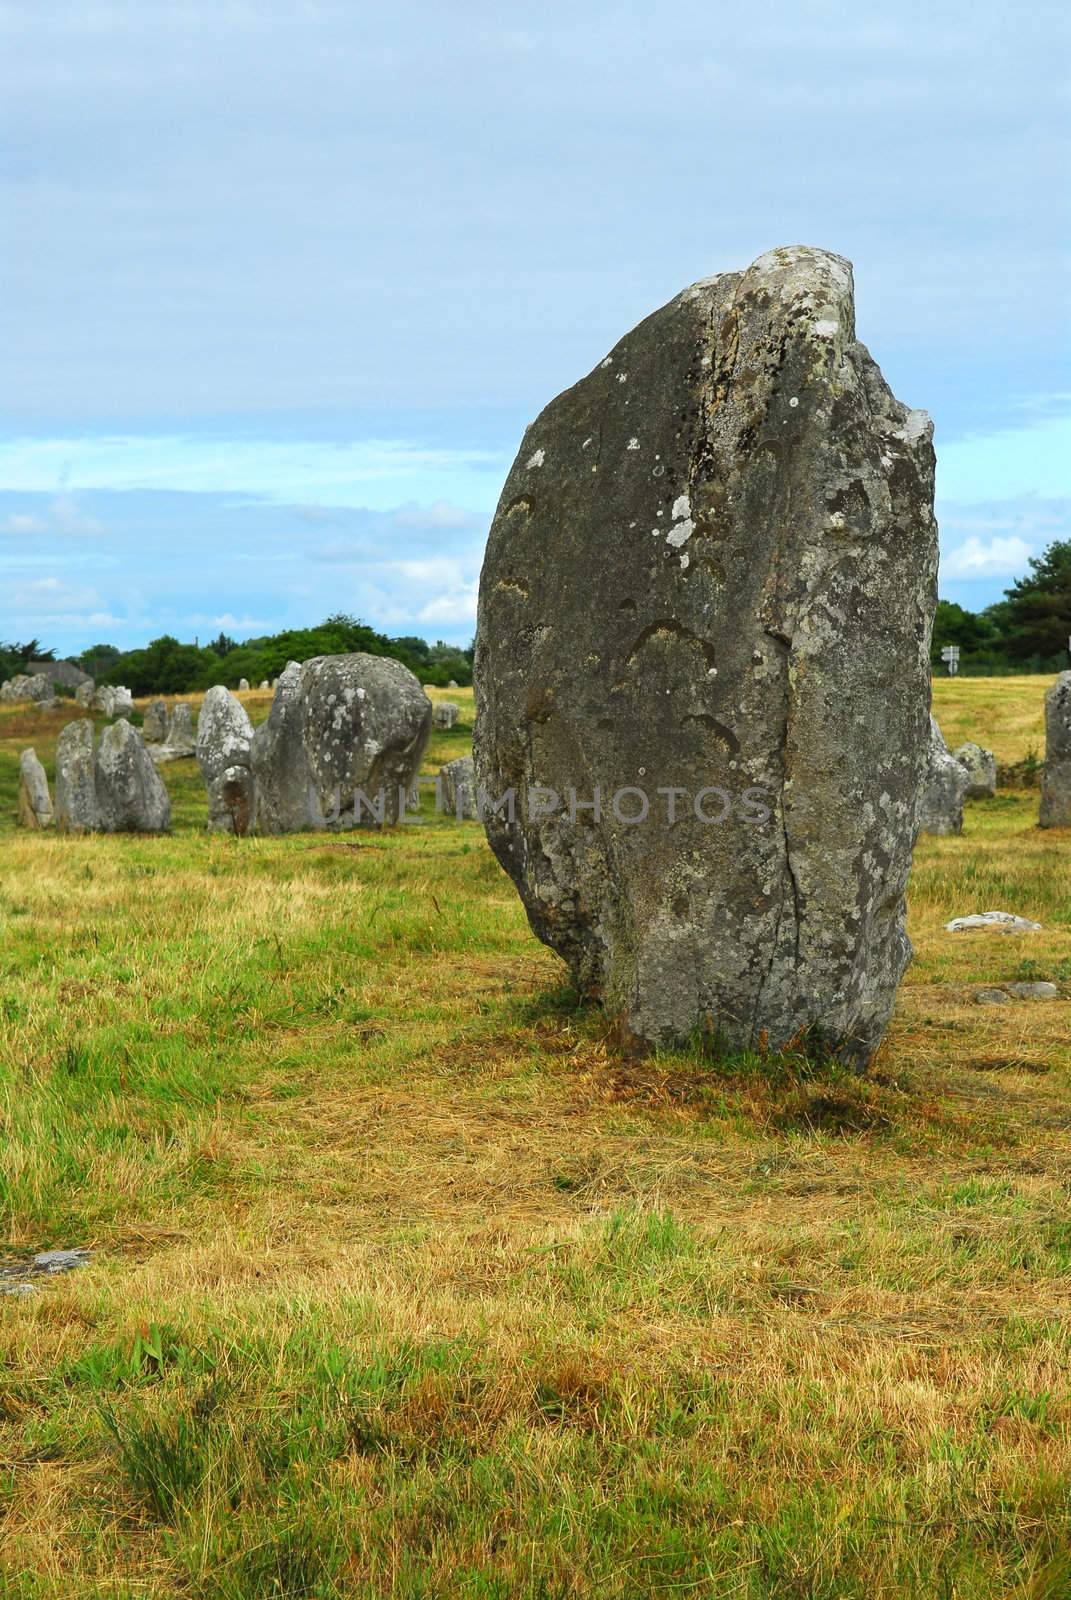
(243, 685)
(457, 788)
(224, 739)
(131, 797)
(28, 688)
(154, 722)
(981, 767)
(76, 785)
(280, 766)
(1056, 778)
(365, 726)
(35, 802)
(83, 695)
(943, 788)
(264, 684)
(754, 510)
(453, 684)
(103, 700)
(123, 704)
(445, 714)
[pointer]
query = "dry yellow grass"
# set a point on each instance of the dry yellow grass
(405, 1284)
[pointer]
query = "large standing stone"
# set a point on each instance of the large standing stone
(365, 724)
(981, 768)
(35, 802)
(224, 738)
(944, 787)
(280, 766)
(103, 700)
(84, 693)
(457, 788)
(131, 797)
(76, 785)
(154, 722)
(1056, 778)
(713, 565)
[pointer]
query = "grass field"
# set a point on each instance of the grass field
(403, 1284)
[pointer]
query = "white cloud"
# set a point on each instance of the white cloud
(978, 558)
(62, 515)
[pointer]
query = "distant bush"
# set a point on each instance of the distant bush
(167, 667)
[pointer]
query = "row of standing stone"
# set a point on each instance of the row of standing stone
(338, 725)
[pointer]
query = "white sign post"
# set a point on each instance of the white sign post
(950, 655)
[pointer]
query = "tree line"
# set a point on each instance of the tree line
(165, 666)
(1027, 631)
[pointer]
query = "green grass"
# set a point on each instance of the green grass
(405, 1284)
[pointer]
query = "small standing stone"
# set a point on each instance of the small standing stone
(154, 722)
(445, 714)
(123, 704)
(224, 740)
(457, 788)
(243, 685)
(280, 766)
(180, 736)
(131, 797)
(83, 695)
(981, 768)
(76, 787)
(1056, 778)
(35, 802)
(264, 684)
(944, 788)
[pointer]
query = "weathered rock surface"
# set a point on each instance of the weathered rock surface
(943, 789)
(35, 802)
(243, 685)
(457, 787)
(1056, 778)
(365, 722)
(445, 714)
(131, 797)
(123, 704)
(83, 695)
(993, 922)
(713, 565)
(180, 736)
(224, 741)
(284, 783)
(154, 722)
(981, 768)
(76, 785)
(1039, 990)
(28, 688)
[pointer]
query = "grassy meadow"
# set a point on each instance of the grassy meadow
(404, 1284)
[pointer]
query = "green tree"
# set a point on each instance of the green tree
(1035, 615)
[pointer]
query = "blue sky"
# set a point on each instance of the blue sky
(283, 280)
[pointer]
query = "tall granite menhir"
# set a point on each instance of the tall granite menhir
(713, 565)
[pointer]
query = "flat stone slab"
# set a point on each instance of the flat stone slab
(18, 1279)
(996, 921)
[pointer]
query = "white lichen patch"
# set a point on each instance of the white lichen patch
(536, 459)
(683, 526)
(825, 328)
(587, 441)
(916, 426)
(622, 377)
(608, 362)
(633, 444)
(685, 558)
